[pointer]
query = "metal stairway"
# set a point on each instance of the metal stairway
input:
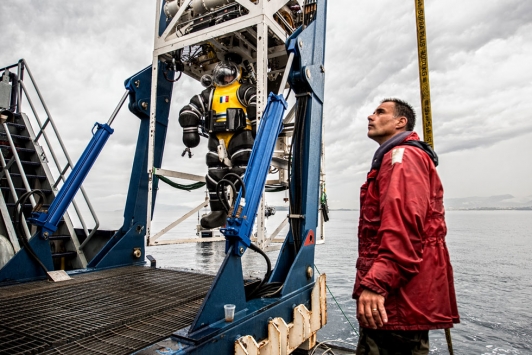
(26, 144)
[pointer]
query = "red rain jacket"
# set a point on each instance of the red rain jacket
(401, 242)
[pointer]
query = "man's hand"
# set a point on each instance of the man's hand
(370, 309)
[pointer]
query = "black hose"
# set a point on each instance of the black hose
(268, 262)
(18, 223)
(171, 80)
(294, 191)
(222, 196)
(270, 290)
(264, 289)
(301, 153)
(289, 92)
(296, 148)
(239, 180)
(290, 184)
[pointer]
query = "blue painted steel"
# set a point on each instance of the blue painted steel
(298, 276)
(119, 250)
(285, 259)
(309, 45)
(21, 266)
(49, 220)
(227, 288)
(162, 19)
(220, 337)
(238, 228)
(209, 334)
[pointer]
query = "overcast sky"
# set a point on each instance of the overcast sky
(80, 53)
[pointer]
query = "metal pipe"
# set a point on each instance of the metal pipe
(170, 8)
(41, 129)
(61, 172)
(202, 6)
(286, 73)
(9, 67)
(14, 194)
(120, 104)
(19, 163)
(23, 65)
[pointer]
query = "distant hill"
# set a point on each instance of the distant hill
(502, 202)
(496, 202)
(285, 208)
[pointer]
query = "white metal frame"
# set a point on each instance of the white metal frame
(260, 16)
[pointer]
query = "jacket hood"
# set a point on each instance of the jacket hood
(423, 146)
(403, 138)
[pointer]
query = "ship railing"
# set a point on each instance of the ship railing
(48, 143)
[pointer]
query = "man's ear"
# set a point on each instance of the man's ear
(401, 122)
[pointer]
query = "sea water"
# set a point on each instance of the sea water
(491, 253)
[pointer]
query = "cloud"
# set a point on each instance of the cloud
(478, 78)
(80, 53)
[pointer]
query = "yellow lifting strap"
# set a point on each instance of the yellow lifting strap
(424, 84)
(424, 87)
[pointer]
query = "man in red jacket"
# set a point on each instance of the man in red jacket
(404, 284)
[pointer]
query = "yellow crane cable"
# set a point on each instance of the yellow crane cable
(424, 87)
(423, 62)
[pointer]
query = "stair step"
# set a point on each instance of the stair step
(67, 254)
(29, 176)
(21, 190)
(16, 136)
(18, 126)
(19, 149)
(59, 237)
(26, 205)
(30, 163)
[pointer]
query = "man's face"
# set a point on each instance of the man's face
(383, 125)
(228, 79)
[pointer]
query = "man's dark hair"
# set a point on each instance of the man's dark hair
(403, 108)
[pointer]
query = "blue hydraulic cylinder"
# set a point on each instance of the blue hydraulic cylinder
(240, 224)
(50, 220)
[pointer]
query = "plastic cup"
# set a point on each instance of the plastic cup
(229, 312)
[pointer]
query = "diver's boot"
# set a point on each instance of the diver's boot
(218, 216)
(214, 219)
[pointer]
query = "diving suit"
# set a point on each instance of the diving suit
(228, 110)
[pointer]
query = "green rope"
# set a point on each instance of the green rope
(198, 185)
(275, 189)
(323, 198)
(341, 310)
(190, 187)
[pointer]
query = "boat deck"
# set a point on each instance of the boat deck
(115, 311)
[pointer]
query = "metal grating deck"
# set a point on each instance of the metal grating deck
(108, 312)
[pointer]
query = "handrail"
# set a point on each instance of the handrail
(49, 126)
(14, 194)
(19, 164)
